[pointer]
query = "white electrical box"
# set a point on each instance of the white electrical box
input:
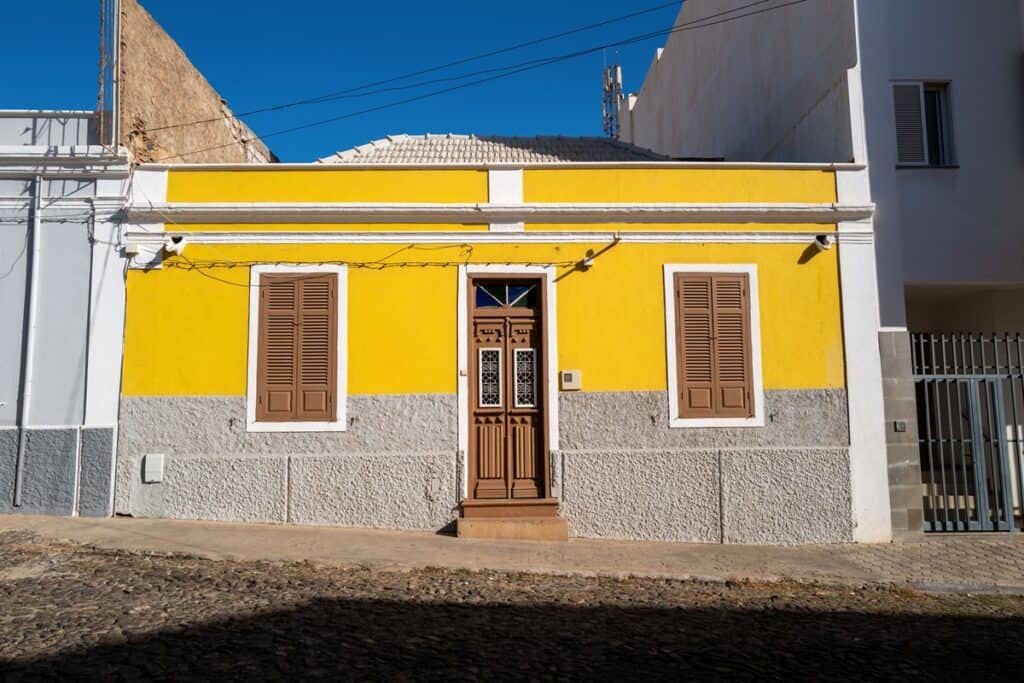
(153, 468)
(571, 380)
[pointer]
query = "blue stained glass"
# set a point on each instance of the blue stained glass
(522, 296)
(485, 297)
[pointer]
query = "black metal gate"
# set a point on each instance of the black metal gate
(970, 404)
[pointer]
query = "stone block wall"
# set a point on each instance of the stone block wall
(903, 452)
(159, 86)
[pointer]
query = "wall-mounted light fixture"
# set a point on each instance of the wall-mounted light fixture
(824, 242)
(175, 244)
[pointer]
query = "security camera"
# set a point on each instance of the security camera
(175, 244)
(823, 242)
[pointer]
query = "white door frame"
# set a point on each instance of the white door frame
(551, 350)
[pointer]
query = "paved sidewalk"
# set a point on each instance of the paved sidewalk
(976, 563)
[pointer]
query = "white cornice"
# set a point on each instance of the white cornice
(565, 165)
(63, 160)
(218, 212)
(156, 238)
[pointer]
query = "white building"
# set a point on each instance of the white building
(929, 95)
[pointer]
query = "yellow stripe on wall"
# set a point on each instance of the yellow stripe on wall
(679, 185)
(327, 186)
(187, 331)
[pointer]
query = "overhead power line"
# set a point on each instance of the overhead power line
(511, 70)
(342, 94)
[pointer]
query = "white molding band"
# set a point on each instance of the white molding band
(340, 423)
(462, 348)
(478, 213)
(869, 473)
(675, 421)
(154, 239)
(562, 165)
(869, 480)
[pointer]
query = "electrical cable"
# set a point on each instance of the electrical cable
(341, 94)
(703, 23)
(182, 262)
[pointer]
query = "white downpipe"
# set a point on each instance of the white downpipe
(24, 415)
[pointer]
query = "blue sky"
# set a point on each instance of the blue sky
(259, 53)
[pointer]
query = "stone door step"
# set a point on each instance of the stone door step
(515, 528)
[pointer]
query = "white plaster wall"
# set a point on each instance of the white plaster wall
(770, 87)
(947, 225)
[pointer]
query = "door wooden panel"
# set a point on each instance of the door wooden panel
(508, 450)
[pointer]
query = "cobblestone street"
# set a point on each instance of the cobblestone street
(71, 611)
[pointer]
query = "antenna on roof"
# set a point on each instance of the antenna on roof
(612, 99)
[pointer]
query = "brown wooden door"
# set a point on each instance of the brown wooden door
(508, 453)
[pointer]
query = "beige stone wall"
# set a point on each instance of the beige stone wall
(159, 86)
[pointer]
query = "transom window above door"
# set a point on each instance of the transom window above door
(505, 295)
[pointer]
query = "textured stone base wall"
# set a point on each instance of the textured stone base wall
(395, 466)
(621, 473)
(626, 474)
(760, 496)
(48, 479)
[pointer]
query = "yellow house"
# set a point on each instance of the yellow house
(523, 336)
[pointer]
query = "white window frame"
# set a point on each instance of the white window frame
(948, 139)
(671, 345)
(515, 376)
(340, 423)
(480, 378)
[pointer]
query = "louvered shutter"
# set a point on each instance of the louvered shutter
(732, 347)
(296, 368)
(317, 340)
(713, 348)
(695, 346)
(910, 141)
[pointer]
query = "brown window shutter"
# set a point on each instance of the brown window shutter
(713, 345)
(734, 388)
(296, 367)
(317, 371)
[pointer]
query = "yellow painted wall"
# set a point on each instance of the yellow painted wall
(331, 227)
(327, 186)
(679, 185)
(539, 185)
(187, 334)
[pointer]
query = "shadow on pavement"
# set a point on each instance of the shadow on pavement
(348, 639)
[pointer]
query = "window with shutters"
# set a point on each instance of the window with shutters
(713, 344)
(924, 128)
(296, 368)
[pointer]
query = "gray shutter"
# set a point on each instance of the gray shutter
(910, 141)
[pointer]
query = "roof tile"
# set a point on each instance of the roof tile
(472, 149)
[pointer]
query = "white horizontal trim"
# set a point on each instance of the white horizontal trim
(342, 212)
(719, 422)
(317, 166)
(45, 428)
(48, 113)
(154, 239)
(60, 155)
(336, 426)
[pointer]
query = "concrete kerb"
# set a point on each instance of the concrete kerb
(844, 565)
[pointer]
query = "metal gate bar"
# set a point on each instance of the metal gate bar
(968, 389)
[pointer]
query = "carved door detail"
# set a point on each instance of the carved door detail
(508, 454)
